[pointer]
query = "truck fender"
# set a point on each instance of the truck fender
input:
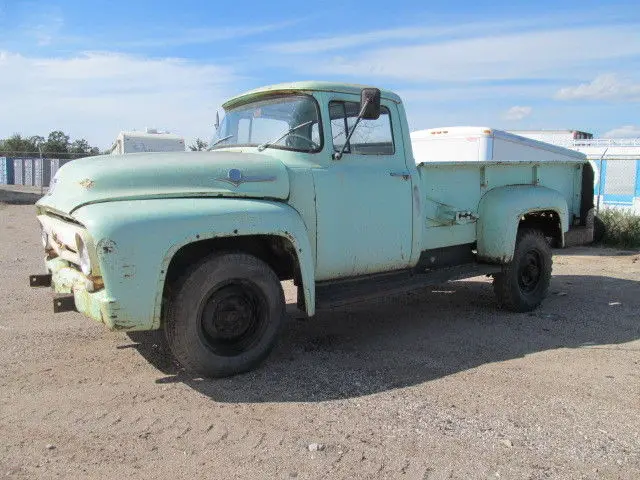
(282, 220)
(500, 211)
(137, 239)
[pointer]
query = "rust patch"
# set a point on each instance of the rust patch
(87, 183)
(106, 246)
(128, 271)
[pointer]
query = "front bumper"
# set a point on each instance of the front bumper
(94, 304)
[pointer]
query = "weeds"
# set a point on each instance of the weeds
(621, 228)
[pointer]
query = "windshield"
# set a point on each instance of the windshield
(288, 122)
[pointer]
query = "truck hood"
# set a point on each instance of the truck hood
(108, 178)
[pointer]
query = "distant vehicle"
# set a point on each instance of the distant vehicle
(148, 141)
(483, 144)
(315, 182)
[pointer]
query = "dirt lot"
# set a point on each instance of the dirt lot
(435, 384)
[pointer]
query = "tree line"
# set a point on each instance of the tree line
(57, 145)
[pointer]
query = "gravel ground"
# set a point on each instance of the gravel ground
(428, 385)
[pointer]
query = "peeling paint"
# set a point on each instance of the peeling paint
(106, 246)
(87, 183)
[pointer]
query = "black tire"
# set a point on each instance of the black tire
(224, 316)
(523, 284)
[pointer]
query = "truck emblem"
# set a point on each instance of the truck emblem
(235, 178)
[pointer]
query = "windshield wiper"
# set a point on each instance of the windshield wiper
(268, 143)
(220, 140)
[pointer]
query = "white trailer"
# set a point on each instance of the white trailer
(148, 141)
(478, 144)
(553, 136)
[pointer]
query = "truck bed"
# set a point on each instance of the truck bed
(452, 190)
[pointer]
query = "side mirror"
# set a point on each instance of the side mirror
(370, 103)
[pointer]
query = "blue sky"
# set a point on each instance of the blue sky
(94, 68)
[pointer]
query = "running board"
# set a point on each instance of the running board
(343, 292)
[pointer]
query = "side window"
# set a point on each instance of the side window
(371, 137)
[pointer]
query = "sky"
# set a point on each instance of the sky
(94, 68)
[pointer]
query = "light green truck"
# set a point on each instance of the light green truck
(312, 182)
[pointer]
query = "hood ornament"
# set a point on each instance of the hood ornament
(235, 178)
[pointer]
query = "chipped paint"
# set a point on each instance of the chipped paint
(87, 183)
(106, 246)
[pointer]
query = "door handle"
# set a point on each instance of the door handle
(403, 175)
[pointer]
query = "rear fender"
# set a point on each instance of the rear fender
(500, 211)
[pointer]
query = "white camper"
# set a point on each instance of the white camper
(149, 141)
(553, 136)
(477, 144)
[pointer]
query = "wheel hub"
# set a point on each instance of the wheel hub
(232, 318)
(530, 271)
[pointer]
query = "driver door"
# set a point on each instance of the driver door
(363, 200)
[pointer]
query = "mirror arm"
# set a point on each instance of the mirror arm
(338, 155)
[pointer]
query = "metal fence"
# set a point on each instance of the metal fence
(617, 183)
(30, 171)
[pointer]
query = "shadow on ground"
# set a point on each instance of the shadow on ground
(17, 195)
(406, 340)
(594, 250)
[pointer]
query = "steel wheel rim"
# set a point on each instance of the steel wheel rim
(233, 318)
(530, 271)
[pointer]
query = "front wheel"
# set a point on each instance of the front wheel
(523, 284)
(225, 315)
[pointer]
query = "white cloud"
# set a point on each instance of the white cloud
(342, 42)
(95, 95)
(422, 32)
(517, 113)
(531, 54)
(196, 36)
(603, 87)
(627, 131)
(43, 24)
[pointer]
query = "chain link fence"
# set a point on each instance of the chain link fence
(32, 168)
(617, 184)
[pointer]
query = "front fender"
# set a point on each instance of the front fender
(137, 239)
(500, 211)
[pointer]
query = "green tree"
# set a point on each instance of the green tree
(16, 144)
(81, 148)
(37, 140)
(198, 145)
(57, 145)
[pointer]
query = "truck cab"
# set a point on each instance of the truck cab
(313, 182)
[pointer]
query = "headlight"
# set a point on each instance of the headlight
(83, 255)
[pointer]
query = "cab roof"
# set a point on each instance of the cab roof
(309, 86)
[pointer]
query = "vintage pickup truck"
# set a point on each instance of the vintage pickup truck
(312, 182)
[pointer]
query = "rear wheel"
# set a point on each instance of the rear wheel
(224, 315)
(523, 284)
